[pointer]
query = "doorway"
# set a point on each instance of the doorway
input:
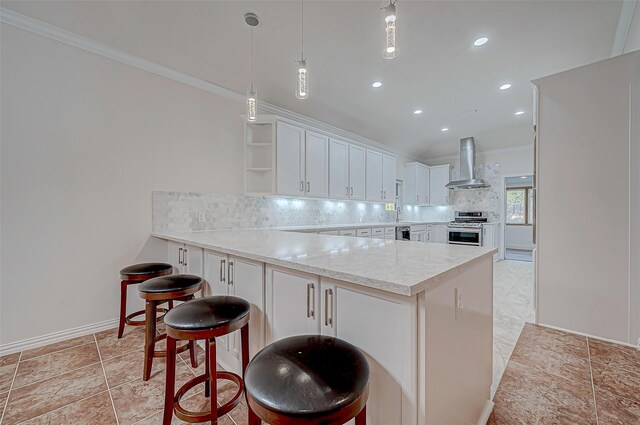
(519, 216)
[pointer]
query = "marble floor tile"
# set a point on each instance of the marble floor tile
(614, 354)
(110, 346)
(6, 376)
(554, 340)
(58, 346)
(3, 402)
(563, 365)
(614, 410)
(130, 367)
(93, 410)
(49, 365)
(197, 402)
(620, 382)
(137, 400)
(9, 359)
(41, 397)
(526, 395)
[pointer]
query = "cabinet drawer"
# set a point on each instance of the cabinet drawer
(330, 232)
(389, 230)
(350, 232)
(377, 231)
(364, 233)
(418, 228)
(429, 226)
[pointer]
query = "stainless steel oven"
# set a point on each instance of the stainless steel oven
(403, 233)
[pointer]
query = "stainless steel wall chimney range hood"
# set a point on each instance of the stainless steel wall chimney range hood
(467, 167)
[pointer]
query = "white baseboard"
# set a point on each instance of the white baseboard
(613, 341)
(26, 344)
(486, 412)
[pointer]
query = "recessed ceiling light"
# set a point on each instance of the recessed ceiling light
(376, 84)
(480, 41)
(523, 177)
(417, 111)
(443, 129)
(519, 112)
(505, 86)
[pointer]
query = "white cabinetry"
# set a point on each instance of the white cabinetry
(439, 176)
(185, 258)
(416, 184)
(229, 275)
(439, 233)
(343, 313)
(316, 165)
(291, 303)
(491, 237)
(346, 170)
(357, 172)
(381, 177)
(339, 187)
(302, 162)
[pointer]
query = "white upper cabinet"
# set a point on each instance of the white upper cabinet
(416, 186)
(440, 175)
(339, 187)
(316, 165)
(312, 164)
(374, 176)
(290, 157)
(424, 185)
(388, 178)
(357, 172)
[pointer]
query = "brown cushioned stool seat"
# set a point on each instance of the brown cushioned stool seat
(205, 318)
(132, 275)
(177, 287)
(309, 379)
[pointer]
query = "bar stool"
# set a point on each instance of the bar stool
(132, 275)
(177, 287)
(205, 318)
(309, 379)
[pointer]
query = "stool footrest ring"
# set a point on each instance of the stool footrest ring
(193, 417)
(129, 319)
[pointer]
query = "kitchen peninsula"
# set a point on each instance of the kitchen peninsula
(422, 313)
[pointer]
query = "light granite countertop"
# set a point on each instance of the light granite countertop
(399, 267)
(327, 227)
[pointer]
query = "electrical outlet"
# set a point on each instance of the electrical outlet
(202, 217)
(458, 302)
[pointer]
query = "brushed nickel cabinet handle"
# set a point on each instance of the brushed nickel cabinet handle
(179, 255)
(301, 186)
(231, 273)
(222, 267)
(351, 190)
(308, 187)
(184, 256)
(347, 191)
(328, 319)
(310, 302)
(417, 198)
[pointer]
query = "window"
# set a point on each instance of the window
(520, 205)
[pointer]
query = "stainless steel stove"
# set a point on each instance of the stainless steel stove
(466, 229)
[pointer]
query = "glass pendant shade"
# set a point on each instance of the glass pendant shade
(252, 107)
(390, 51)
(302, 87)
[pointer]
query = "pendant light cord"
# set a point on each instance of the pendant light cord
(251, 58)
(302, 25)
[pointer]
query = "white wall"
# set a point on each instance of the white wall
(588, 266)
(512, 161)
(518, 237)
(84, 142)
(633, 36)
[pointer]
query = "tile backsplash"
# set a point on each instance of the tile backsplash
(180, 211)
(480, 199)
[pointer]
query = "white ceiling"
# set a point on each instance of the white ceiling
(437, 70)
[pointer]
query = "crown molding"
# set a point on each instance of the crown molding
(624, 23)
(52, 32)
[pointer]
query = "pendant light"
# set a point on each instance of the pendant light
(252, 104)
(302, 82)
(390, 50)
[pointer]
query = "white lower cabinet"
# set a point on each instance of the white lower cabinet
(186, 259)
(292, 301)
(229, 275)
(345, 311)
(439, 233)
